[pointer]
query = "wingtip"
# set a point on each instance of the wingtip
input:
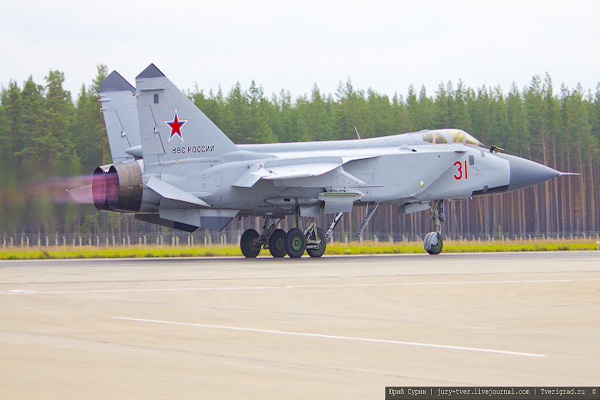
(114, 82)
(151, 71)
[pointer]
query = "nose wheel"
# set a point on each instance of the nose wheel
(433, 243)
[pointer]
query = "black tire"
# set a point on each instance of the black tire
(318, 252)
(277, 243)
(437, 249)
(249, 250)
(295, 243)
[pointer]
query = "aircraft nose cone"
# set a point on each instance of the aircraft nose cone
(524, 173)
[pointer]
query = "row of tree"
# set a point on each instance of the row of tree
(46, 139)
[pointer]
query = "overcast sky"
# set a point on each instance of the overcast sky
(385, 45)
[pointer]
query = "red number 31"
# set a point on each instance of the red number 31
(459, 170)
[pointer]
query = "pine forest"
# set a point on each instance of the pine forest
(49, 142)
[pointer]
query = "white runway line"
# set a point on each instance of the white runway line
(316, 335)
(208, 289)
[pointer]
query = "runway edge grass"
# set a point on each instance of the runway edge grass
(66, 252)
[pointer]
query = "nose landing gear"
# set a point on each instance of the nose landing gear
(433, 240)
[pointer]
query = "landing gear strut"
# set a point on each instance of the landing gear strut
(433, 240)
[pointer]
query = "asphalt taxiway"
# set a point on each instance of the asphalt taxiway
(336, 327)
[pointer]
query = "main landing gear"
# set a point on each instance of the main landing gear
(433, 240)
(293, 243)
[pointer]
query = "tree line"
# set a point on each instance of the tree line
(47, 140)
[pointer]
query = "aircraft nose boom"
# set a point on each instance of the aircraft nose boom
(524, 173)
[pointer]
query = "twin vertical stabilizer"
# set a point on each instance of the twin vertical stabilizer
(121, 117)
(156, 121)
(172, 128)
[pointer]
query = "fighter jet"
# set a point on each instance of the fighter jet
(174, 167)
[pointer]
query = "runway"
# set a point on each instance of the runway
(337, 327)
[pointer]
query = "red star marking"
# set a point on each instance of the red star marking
(175, 126)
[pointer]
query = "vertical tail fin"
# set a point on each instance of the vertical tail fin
(172, 128)
(121, 118)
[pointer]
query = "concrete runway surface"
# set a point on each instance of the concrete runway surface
(336, 327)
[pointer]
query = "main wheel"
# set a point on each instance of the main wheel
(434, 248)
(249, 250)
(295, 244)
(277, 243)
(318, 251)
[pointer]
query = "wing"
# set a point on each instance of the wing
(293, 168)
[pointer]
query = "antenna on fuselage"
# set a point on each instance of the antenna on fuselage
(356, 131)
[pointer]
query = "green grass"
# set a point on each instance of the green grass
(118, 252)
(457, 247)
(63, 252)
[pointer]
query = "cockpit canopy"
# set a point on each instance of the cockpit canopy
(434, 138)
(452, 135)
